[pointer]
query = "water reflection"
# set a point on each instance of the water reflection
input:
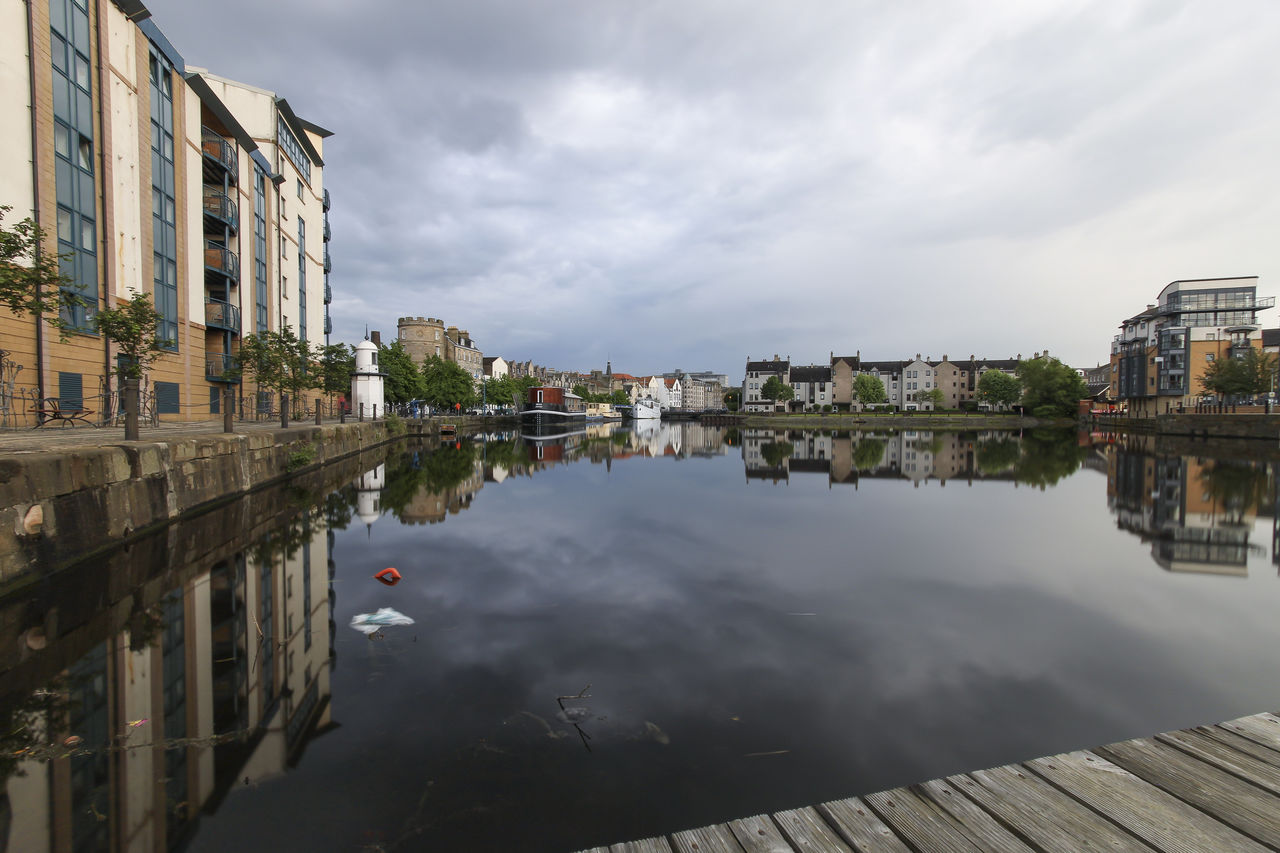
(723, 625)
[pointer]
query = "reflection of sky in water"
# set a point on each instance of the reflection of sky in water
(952, 628)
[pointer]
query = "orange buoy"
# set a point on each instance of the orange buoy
(388, 576)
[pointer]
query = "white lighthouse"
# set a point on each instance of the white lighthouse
(366, 382)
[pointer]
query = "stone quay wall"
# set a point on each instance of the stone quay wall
(1237, 425)
(61, 506)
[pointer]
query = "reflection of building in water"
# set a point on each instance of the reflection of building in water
(242, 650)
(1189, 508)
(431, 507)
(369, 495)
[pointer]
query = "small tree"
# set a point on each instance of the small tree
(280, 361)
(30, 279)
(404, 379)
(733, 399)
(775, 389)
(337, 363)
(999, 389)
(132, 326)
(868, 389)
(933, 396)
(1051, 389)
(1259, 369)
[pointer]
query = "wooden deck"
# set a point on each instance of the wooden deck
(1211, 788)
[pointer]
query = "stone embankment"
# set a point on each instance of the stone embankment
(64, 504)
(922, 420)
(1205, 426)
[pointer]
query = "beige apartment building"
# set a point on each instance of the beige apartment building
(149, 176)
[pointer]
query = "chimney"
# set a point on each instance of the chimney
(376, 338)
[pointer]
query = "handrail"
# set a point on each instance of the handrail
(220, 258)
(218, 148)
(222, 315)
(220, 366)
(220, 205)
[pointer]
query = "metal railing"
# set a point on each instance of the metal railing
(218, 148)
(1256, 303)
(222, 315)
(325, 203)
(328, 265)
(220, 367)
(221, 259)
(328, 293)
(328, 232)
(221, 207)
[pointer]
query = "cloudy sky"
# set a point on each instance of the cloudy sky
(689, 183)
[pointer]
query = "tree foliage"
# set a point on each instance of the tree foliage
(932, 396)
(132, 327)
(1048, 455)
(508, 391)
(775, 389)
(1251, 374)
(999, 388)
(868, 389)
(337, 363)
(445, 384)
(867, 453)
(31, 281)
(1050, 389)
(404, 382)
(733, 399)
(998, 454)
(775, 452)
(280, 361)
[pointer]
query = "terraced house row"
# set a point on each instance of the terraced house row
(907, 383)
(151, 176)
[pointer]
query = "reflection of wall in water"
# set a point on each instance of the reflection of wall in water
(206, 669)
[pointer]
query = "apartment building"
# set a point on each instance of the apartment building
(149, 176)
(1160, 353)
(757, 374)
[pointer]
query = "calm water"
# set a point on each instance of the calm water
(757, 622)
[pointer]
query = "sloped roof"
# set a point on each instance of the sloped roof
(811, 374)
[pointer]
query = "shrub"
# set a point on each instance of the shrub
(395, 424)
(304, 453)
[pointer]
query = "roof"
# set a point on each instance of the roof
(811, 374)
(776, 366)
(884, 366)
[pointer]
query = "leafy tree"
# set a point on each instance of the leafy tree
(581, 391)
(867, 453)
(404, 380)
(775, 389)
(1050, 389)
(733, 399)
(868, 389)
(776, 452)
(999, 388)
(132, 326)
(1251, 374)
(337, 363)
(31, 281)
(933, 396)
(279, 361)
(446, 385)
(619, 398)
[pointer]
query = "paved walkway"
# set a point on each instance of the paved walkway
(57, 437)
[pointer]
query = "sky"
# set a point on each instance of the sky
(687, 184)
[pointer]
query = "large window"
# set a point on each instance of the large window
(164, 230)
(260, 246)
(73, 143)
(293, 149)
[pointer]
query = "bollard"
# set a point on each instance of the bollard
(375, 412)
(362, 413)
(228, 410)
(317, 413)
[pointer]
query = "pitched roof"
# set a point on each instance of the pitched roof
(776, 366)
(811, 374)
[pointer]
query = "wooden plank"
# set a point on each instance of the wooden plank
(1261, 773)
(1233, 801)
(1241, 743)
(806, 830)
(1160, 819)
(976, 825)
(920, 823)
(859, 826)
(1044, 815)
(644, 845)
(758, 834)
(706, 839)
(1263, 728)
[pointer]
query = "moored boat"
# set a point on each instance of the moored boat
(645, 409)
(546, 405)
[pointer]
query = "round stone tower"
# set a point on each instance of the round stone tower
(421, 337)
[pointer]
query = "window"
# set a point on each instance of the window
(1208, 356)
(299, 188)
(167, 398)
(164, 272)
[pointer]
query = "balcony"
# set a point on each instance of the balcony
(222, 315)
(220, 207)
(221, 260)
(221, 367)
(1257, 303)
(328, 233)
(328, 265)
(218, 152)
(325, 203)
(328, 325)
(328, 293)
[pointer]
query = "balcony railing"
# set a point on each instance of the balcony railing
(221, 207)
(328, 325)
(328, 233)
(218, 149)
(326, 200)
(328, 293)
(328, 265)
(1256, 303)
(221, 367)
(222, 315)
(221, 259)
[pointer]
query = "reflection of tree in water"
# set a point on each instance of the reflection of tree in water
(28, 727)
(435, 471)
(867, 453)
(776, 452)
(998, 454)
(1048, 456)
(1236, 486)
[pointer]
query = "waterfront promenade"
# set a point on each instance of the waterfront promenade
(1210, 789)
(55, 437)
